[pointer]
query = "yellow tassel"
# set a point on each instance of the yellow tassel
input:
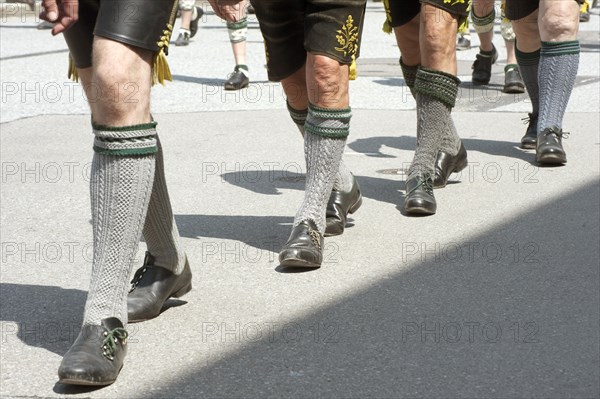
(72, 74)
(160, 69)
(160, 66)
(352, 72)
(387, 28)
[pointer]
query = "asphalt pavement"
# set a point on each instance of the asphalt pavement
(495, 296)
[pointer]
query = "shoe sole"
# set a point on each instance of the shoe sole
(529, 146)
(296, 262)
(228, 87)
(514, 89)
(70, 381)
(418, 210)
(551, 160)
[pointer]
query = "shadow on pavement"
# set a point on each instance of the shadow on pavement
(46, 316)
(512, 313)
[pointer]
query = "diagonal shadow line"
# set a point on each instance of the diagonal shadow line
(472, 325)
(38, 54)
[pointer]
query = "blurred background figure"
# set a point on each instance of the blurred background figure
(190, 15)
(483, 15)
(463, 37)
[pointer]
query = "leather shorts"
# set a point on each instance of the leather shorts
(139, 23)
(518, 9)
(400, 12)
(291, 28)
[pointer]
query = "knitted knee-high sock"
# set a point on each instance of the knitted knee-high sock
(436, 96)
(559, 62)
(324, 142)
(410, 75)
(160, 230)
(343, 177)
(528, 66)
(120, 187)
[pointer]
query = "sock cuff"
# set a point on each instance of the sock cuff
(242, 66)
(241, 24)
(437, 84)
(488, 54)
(328, 122)
(509, 67)
(298, 115)
(409, 73)
(553, 49)
(483, 24)
(125, 140)
(527, 59)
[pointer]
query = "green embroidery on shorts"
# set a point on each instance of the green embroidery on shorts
(348, 37)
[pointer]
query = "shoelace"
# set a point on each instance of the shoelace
(109, 344)
(316, 238)
(529, 119)
(427, 183)
(557, 132)
(137, 277)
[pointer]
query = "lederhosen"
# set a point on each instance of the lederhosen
(291, 28)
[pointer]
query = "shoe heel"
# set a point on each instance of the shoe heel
(460, 166)
(356, 205)
(182, 291)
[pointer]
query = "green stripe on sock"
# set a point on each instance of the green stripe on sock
(142, 126)
(126, 152)
(485, 20)
(330, 113)
(523, 58)
(241, 24)
(553, 49)
(438, 84)
(331, 133)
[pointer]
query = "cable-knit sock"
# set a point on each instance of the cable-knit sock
(559, 62)
(436, 96)
(343, 177)
(160, 230)
(324, 142)
(120, 187)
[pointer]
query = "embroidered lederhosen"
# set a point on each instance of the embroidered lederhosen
(291, 28)
(140, 23)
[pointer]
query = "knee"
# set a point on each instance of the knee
(327, 78)
(558, 23)
(116, 96)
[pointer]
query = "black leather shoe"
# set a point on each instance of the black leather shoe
(419, 198)
(513, 82)
(237, 80)
(152, 286)
(482, 68)
(549, 150)
(529, 141)
(96, 356)
(340, 204)
(304, 248)
(446, 164)
(194, 22)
